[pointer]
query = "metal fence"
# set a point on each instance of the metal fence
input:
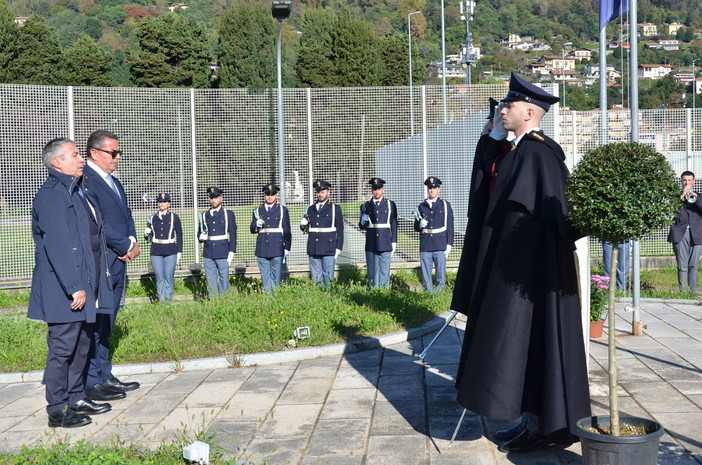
(183, 140)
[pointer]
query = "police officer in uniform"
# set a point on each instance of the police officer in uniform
(379, 220)
(217, 231)
(165, 233)
(272, 224)
(324, 224)
(433, 220)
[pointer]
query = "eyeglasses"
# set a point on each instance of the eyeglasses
(114, 153)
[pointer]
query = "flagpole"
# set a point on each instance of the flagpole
(603, 85)
(634, 105)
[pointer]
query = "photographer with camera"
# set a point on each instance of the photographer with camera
(686, 234)
(324, 224)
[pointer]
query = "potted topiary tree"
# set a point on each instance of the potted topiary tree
(619, 191)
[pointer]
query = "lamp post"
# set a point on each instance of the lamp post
(694, 83)
(443, 63)
(566, 44)
(280, 10)
(409, 47)
(467, 16)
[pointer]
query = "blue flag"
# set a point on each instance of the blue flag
(612, 9)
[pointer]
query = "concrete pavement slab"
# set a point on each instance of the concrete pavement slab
(340, 437)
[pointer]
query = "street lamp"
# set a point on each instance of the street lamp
(694, 83)
(409, 42)
(467, 15)
(280, 10)
(443, 62)
(567, 44)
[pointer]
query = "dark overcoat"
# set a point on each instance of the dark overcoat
(689, 216)
(523, 349)
(64, 262)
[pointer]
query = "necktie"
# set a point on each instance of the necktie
(111, 182)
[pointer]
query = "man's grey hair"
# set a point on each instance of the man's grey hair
(53, 149)
(96, 139)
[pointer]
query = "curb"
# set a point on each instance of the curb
(260, 358)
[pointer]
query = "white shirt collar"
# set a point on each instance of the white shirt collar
(103, 174)
(517, 139)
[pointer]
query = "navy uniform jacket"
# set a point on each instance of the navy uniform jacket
(439, 232)
(326, 229)
(64, 262)
(116, 215)
(275, 235)
(222, 233)
(168, 235)
(382, 230)
(690, 215)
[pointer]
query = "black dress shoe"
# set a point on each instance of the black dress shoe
(89, 407)
(513, 432)
(67, 418)
(117, 385)
(526, 441)
(100, 392)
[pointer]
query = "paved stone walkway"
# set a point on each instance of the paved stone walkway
(379, 406)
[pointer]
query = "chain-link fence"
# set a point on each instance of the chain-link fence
(181, 141)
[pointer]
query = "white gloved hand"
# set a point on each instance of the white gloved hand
(365, 218)
(259, 223)
(147, 231)
(498, 131)
(336, 254)
(394, 246)
(178, 255)
(447, 251)
(487, 127)
(304, 221)
(285, 252)
(203, 236)
(423, 223)
(230, 257)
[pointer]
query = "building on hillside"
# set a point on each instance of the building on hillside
(648, 29)
(538, 69)
(683, 77)
(177, 6)
(563, 74)
(511, 40)
(673, 28)
(558, 62)
(653, 71)
(670, 45)
(474, 54)
(593, 69)
(20, 20)
(697, 85)
(581, 54)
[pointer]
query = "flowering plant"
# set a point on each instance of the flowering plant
(599, 285)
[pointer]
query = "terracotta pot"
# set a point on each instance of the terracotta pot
(596, 328)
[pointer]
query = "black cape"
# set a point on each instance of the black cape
(523, 350)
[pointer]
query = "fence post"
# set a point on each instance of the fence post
(688, 137)
(193, 151)
(310, 173)
(71, 116)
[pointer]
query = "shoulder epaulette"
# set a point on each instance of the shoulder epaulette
(537, 136)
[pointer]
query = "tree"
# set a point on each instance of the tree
(173, 52)
(355, 52)
(86, 64)
(8, 40)
(38, 59)
(393, 55)
(314, 66)
(247, 49)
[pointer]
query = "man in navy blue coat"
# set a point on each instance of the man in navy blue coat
(686, 234)
(106, 192)
(379, 220)
(271, 222)
(324, 224)
(70, 280)
(434, 223)
(217, 231)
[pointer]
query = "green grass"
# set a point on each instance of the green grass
(245, 321)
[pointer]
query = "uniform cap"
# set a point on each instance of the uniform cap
(493, 105)
(522, 90)
(432, 181)
(321, 184)
(270, 189)
(163, 197)
(376, 183)
(214, 192)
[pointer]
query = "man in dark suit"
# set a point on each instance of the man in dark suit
(68, 282)
(106, 192)
(686, 234)
(324, 224)
(379, 220)
(271, 223)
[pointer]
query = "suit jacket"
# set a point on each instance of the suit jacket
(690, 215)
(275, 235)
(439, 232)
(64, 259)
(218, 225)
(117, 217)
(325, 229)
(381, 232)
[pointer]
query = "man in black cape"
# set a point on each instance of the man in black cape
(523, 352)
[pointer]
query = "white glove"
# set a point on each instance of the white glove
(304, 221)
(203, 236)
(147, 231)
(487, 127)
(423, 223)
(365, 218)
(498, 131)
(230, 257)
(178, 257)
(394, 246)
(447, 251)
(285, 252)
(259, 223)
(336, 254)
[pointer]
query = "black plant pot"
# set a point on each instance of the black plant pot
(603, 449)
